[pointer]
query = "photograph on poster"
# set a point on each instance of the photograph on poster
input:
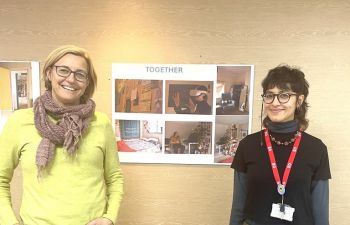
(187, 137)
(138, 96)
(194, 114)
(232, 90)
(139, 136)
(189, 97)
(228, 132)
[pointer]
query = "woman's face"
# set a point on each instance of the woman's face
(67, 91)
(282, 112)
(200, 98)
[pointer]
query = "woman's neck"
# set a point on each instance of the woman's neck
(283, 127)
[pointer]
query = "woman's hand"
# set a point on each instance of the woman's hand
(100, 221)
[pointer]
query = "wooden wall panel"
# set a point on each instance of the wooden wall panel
(313, 35)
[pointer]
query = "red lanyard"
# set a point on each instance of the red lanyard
(281, 187)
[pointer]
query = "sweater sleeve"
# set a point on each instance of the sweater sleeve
(9, 158)
(113, 176)
(323, 171)
(239, 196)
(320, 202)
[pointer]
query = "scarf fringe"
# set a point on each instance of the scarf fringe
(72, 122)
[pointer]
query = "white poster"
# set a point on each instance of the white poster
(181, 113)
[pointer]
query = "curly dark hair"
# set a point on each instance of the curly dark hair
(286, 77)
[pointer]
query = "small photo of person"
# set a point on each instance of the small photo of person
(232, 90)
(138, 96)
(176, 145)
(189, 97)
(187, 137)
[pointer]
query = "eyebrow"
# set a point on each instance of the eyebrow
(281, 91)
(78, 70)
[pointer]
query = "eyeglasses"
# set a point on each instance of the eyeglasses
(268, 98)
(65, 71)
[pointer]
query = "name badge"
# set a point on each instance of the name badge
(285, 214)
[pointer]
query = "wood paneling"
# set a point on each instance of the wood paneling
(313, 35)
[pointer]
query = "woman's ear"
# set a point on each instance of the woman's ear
(48, 74)
(300, 100)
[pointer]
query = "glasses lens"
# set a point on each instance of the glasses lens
(268, 98)
(63, 71)
(283, 97)
(81, 76)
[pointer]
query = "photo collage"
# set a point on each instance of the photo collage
(180, 113)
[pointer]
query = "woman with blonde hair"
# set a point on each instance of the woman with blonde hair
(176, 144)
(70, 167)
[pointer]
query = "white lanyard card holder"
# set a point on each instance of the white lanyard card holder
(286, 214)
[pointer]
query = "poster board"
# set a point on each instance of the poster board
(181, 113)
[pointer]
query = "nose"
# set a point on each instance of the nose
(71, 77)
(275, 101)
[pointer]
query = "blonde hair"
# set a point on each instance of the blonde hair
(61, 51)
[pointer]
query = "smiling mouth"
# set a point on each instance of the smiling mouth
(276, 110)
(68, 88)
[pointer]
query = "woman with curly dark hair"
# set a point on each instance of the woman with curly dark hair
(281, 172)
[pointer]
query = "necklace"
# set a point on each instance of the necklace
(285, 143)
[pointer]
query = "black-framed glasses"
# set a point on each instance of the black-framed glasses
(65, 71)
(268, 98)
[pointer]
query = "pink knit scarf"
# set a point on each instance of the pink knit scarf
(72, 122)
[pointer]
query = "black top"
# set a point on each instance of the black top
(311, 164)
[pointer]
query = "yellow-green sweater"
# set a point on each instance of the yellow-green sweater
(76, 190)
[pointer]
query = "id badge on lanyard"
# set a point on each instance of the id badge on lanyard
(281, 210)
